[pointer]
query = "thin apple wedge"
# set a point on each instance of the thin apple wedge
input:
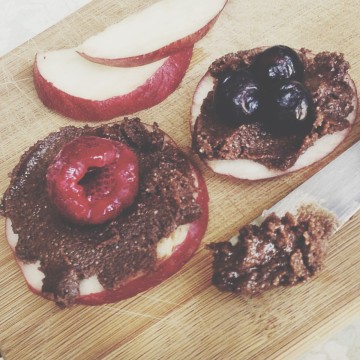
(156, 32)
(82, 90)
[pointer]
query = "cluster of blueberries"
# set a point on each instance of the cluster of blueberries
(269, 90)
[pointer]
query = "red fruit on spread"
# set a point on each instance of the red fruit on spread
(92, 179)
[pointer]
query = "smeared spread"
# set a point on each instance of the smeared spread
(324, 76)
(282, 251)
(114, 251)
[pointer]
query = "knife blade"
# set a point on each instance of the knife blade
(335, 188)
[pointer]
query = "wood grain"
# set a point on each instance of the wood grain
(185, 317)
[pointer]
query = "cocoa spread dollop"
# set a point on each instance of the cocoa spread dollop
(282, 251)
(116, 250)
(325, 76)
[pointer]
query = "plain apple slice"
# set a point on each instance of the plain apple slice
(252, 170)
(173, 252)
(82, 90)
(157, 31)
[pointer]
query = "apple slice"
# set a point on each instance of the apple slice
(173, 252)
(251, 170)
(82, 90)
(156, 32)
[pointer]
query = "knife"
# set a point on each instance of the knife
(278, 249)
(335, 188)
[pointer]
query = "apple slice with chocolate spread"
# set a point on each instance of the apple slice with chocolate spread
(82, 90)
(110, 212)
(266, 112)
(158, 31)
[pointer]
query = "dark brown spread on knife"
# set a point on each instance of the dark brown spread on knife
(114, 251)
(325, 78)
(280, 252)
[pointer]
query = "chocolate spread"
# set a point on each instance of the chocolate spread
(324, 77)
(114, 251)
(280, 252)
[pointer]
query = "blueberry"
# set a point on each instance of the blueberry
(237, 97)
(291, 108)
(277, 63)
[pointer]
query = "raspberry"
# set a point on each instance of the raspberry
(92, 179)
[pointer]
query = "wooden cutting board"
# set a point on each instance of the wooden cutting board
(185, 317)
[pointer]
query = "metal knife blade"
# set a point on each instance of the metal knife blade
(335, 188)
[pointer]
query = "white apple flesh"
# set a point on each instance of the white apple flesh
(251, 170)
(156, 32)
(82, 90)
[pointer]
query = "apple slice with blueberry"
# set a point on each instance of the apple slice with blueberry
(156, 32)
(82, 90)
(237, 99)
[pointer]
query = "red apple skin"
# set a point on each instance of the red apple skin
(158, 54)
(158, 87)
(182, 254)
